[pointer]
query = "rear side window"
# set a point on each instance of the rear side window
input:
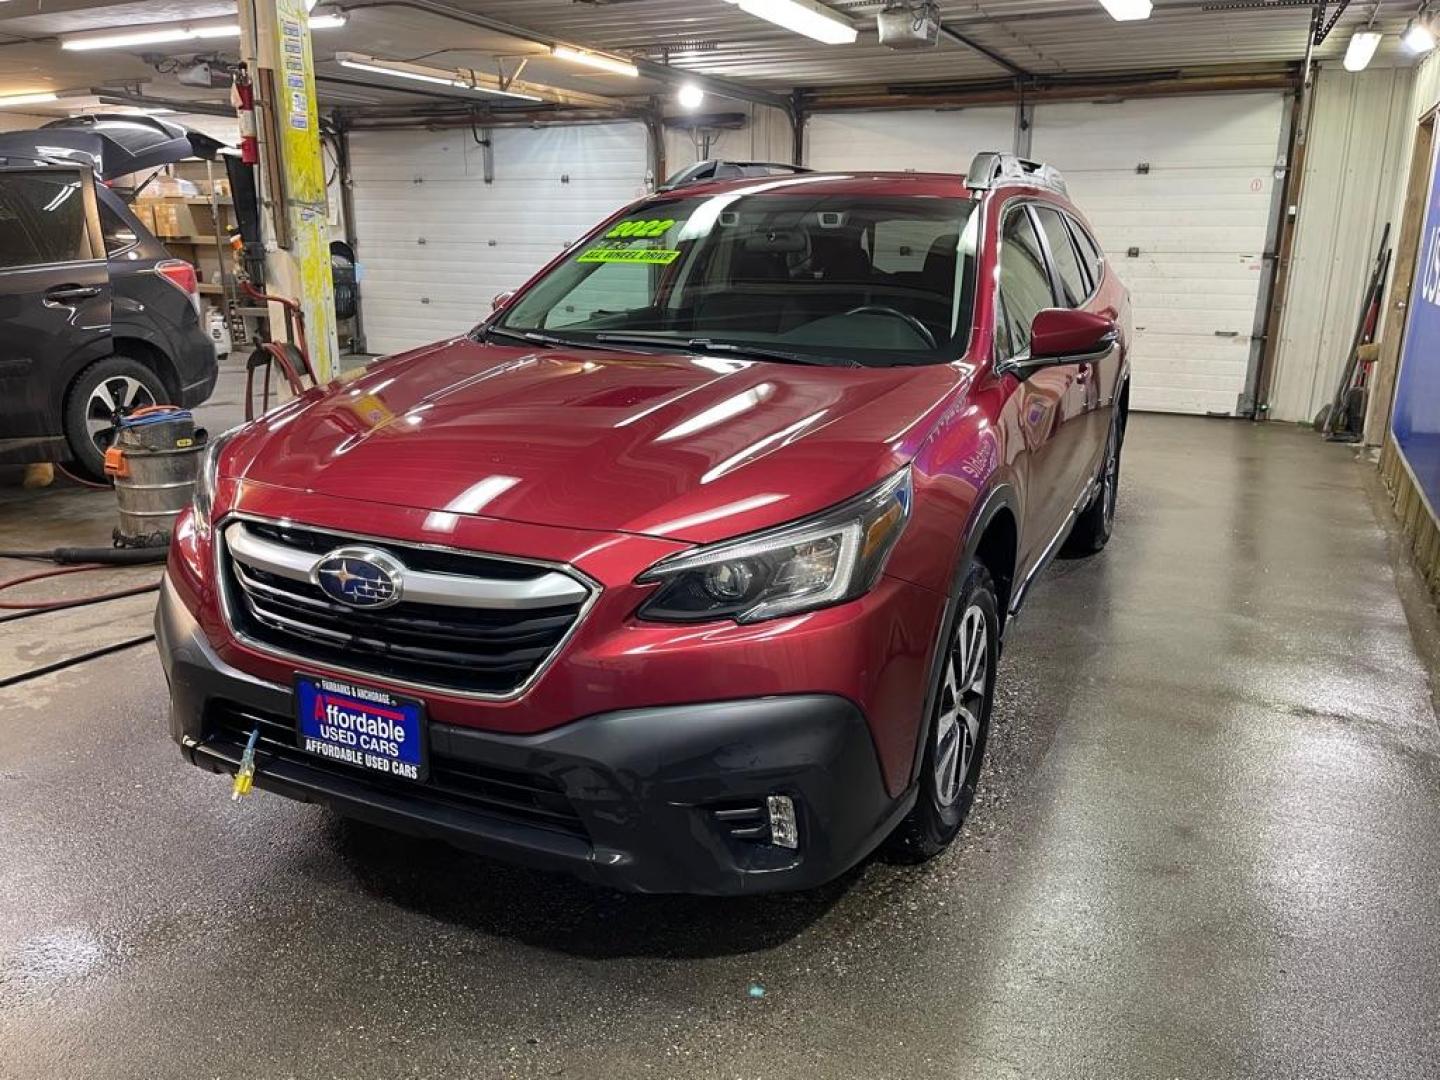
(1089, 250)
(1062, 254)
(1024, 281)
(119, 237)
(42, 219)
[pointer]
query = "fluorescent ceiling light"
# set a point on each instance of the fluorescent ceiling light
(1127, 10)
(168, 33)
(1361, 50)
(28, 99)
(151, 35)
(1418, 36)
(803, 17)
(400, 69)
(612, 64)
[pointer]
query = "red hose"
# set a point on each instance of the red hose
(296, 310)
(40, 605)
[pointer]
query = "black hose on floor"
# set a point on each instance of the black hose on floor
(68, 556)
(71, 661)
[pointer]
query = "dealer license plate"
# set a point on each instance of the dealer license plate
(361, 726)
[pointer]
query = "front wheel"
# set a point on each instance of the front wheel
(959, 722)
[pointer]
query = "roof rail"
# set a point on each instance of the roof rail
(703, 171)
(992, 166)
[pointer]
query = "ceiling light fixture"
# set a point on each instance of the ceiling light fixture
(1418, 36)
(400, 69)
(169, 33)
(1128, 10)
(612, 64)
(28, 99)
(803, 17)
(1361, 49)
(690, 96)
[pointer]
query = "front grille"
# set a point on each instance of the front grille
(487, 647)
(516, 796)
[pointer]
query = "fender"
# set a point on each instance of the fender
(1001, 496)
(47, 389)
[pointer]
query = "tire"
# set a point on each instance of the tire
(1092, 529)
(114, 385)
(946, 793)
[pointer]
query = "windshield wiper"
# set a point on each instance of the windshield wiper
(709, 345)
(533, 337)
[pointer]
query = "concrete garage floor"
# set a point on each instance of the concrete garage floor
(1207, 845)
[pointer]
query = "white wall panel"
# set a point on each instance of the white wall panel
(766, 136)
(924, 141)
(1189, 182)
(1352, 165)
(436, 242)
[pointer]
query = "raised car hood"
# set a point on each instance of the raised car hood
(685, 447)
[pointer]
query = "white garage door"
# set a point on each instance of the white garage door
(436, 242)
(1187, 184)
(923, 141)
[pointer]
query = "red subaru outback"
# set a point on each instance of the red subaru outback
(687, 570)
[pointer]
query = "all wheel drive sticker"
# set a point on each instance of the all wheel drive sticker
(620, 244)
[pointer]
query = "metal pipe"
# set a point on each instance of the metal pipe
(650, 69)
(989, 54)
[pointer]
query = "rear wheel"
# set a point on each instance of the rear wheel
(1093, 527)
(959, 723)
(105, 391)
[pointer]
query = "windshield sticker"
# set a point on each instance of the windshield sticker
(644, 229)
(648, 256)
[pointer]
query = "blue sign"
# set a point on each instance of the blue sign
(361, 726)
(1416, 420)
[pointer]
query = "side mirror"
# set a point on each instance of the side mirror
(500, 300)
(1064, 336)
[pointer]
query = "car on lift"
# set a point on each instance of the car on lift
(687, 570)
(97, 317)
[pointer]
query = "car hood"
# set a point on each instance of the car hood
(686, 447)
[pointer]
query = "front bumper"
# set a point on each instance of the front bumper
(643, 799)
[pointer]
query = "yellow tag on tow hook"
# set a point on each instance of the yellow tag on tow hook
(245, 775)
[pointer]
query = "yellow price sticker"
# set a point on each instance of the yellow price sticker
(644, 256)
(645, 229)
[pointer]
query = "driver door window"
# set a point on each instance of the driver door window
(1024, 279)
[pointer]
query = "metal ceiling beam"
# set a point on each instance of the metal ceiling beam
(111, 96)
(989, 54)
(711, 84)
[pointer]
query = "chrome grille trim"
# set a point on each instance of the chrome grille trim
(229, 582)
(420, 586)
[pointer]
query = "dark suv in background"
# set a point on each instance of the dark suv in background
(96, 318)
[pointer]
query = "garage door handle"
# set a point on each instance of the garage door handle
(64, 294)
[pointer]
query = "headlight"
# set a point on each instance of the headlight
(207, 477)
(827, 559)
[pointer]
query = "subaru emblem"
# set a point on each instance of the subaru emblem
(360, 577)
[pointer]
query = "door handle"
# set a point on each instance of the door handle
(64, 294)
(1082, 373)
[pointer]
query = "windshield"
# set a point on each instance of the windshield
(819, 278)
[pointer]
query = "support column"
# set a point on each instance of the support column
(275, 43)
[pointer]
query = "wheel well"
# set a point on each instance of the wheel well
(1124, 405)
(147, 354)
(996, 550)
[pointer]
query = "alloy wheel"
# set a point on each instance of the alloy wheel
(111, 399)
(962, 703)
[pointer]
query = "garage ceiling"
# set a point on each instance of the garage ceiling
(707, 37)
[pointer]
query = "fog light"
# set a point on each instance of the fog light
(784, 831)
